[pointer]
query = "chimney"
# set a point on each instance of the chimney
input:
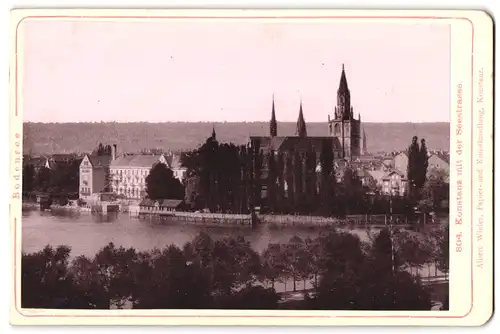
(113, 152)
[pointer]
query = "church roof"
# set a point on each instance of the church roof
(290, 143)
(99, 160)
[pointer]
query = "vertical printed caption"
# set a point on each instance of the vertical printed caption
(17, 160)
(479, 171)
(459, 145)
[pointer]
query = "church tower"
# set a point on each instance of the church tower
(301, 124)
(273, 125)
(344, 126)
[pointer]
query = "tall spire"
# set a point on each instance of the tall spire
(344, 110)
(301, 123)
(273, 125)
(343, 88)
(214, 137)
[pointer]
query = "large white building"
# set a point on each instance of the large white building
(123, 175)
(128, 172)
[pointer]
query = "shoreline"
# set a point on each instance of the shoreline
(275, 221)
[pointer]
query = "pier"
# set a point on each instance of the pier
(203, 218)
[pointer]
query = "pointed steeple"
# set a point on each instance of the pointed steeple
(344, 109)
(273, 125)
(343, 88)
(301, 123)
(214, 137)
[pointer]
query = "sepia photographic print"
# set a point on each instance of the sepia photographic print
(251, 168)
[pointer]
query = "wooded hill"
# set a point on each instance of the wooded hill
(49, 138)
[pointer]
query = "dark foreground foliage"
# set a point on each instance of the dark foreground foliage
(228, 274)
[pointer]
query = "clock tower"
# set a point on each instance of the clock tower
(344, 126)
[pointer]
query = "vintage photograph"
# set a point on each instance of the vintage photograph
(235, 164)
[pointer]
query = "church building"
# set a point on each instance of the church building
(345, 140)
(344, 126)
(345, 135)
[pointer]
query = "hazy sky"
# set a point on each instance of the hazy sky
(161, 71)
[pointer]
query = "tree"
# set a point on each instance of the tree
(272, 182)
(310, 181)
(384, 253)
(435, 192)
(235, 264)
(413, 168)
(28, 178)
(273, 263)
(411, 249)
(443, 253)
(251, 298)
(423, 164)
(314, 252)
(224, 174)
(192, 189)
(352, 280)
(162, 184)
(418, 162)
(352, 191)
(327, 179)
(101, 150)
(45, 279)
(230, 263)
(111, 270)
(295, 257)
(89, 283)
(298, 183)
(174, 283)
(43, 179)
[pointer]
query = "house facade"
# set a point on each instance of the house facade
(437, 161)
(401, 162)
(128, 174)
(94, 175)
(394, 183)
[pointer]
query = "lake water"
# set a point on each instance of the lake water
(86, 234)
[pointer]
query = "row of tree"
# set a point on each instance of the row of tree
(63, 178)
(227, 273)
(228, 178)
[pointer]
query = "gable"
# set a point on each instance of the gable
(86, 162)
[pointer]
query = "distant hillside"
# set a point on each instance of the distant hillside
(48, 138)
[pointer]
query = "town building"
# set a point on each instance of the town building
(401, 162)
(128, 172)
(94, 175)
(345, 138)
(344, 126)
(394, 183)
(439, 161)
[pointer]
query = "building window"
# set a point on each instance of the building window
(337, 128)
